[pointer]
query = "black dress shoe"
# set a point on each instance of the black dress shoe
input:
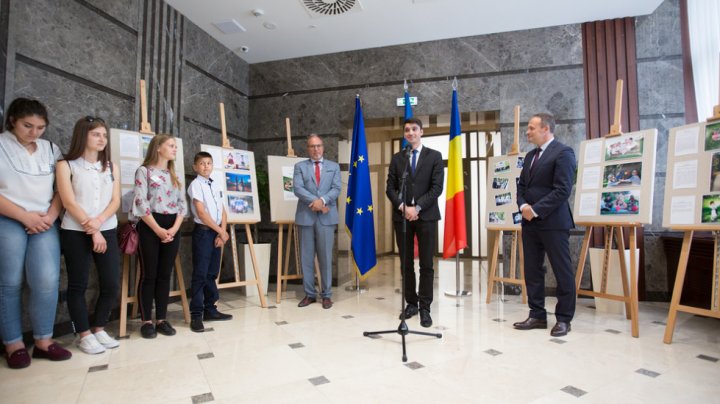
(196, 324)
(327, 303)
(148, 331)
(216, 316)
(307, 300)
(531, 323)
(410, 310)
(561, 329)
(165, 328)
(425, 319)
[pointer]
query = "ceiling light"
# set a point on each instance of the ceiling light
(258, 12)
(269, 25)
(229, 26)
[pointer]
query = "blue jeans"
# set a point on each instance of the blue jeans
(206, 265)
(38, 256)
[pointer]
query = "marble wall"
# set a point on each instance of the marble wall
(87, 57)
(539, 69)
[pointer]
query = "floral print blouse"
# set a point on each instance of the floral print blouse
(162, 196)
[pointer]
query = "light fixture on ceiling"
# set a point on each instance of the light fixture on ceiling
(243, 49)
(230, 26)
(258, 12)
(269, 25)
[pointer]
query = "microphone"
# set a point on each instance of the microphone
(408, 150)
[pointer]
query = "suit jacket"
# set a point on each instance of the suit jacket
(547, 189)
(307, 190)
(423, 188)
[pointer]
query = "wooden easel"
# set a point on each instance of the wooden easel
(630, 291)
(283, 274)
(125, 297)
(675, 305)
(515, 245)
(233, 239)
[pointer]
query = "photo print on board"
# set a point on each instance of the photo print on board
(496, 217)
(623, 175)
(620, 203)
(710, 204)
(624, 147)
(712, 136)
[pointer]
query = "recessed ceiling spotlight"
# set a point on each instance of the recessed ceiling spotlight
(269, 25)
(244, 49)
(258, 12)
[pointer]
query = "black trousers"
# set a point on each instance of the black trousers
(426, 232)
(157, 261)
(556, 243)
(77, 248)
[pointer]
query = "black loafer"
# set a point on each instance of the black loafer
(410, 310)
(148, 331)
(196, 324)
(530, 323)
(560, 329)
(307, 300)
(165, 328)
(216, 316)
(425, 319)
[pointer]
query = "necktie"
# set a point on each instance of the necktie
(317, 172)
(536, 156)
(414, 160)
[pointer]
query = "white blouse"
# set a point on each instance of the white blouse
(93, 191)
(28, 179)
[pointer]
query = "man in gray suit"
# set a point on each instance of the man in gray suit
(316, 183)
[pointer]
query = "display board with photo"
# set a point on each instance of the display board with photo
(692, 182)
(283, 201)
(236, 172)
(501, 200)
(616, 179)
(127, 151)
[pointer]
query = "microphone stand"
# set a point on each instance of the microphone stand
(403, 329)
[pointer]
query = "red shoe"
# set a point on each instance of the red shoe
(54, 352)
(18, 359)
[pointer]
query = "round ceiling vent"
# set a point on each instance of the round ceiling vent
(329, 7)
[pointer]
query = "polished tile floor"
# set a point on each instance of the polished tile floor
(285, 354)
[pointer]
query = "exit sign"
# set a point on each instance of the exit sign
(401, 101)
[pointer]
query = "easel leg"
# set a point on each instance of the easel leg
(627, 292)
(136, 300)
(492, 265)
(677, 289)
(633, 283)
(122, 332)
(278, 291)
(583, 257)
(251, 245)
(181, 291)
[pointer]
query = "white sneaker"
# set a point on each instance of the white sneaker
(90, 345)
(106, 340)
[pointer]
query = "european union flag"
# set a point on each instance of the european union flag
(359, 218)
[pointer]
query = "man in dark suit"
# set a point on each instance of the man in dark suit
(544, 188)
(419, 205)
(316, 183)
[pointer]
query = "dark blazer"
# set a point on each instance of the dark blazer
(547, 189)
(424, 187)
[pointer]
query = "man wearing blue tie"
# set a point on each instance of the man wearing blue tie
(316, 183)
(543, 190)
(424, 185)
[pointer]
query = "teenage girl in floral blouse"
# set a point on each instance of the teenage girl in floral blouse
(159, 202)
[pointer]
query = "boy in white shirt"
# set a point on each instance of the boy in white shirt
(207, 238)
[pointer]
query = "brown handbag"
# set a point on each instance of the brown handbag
(128, 239)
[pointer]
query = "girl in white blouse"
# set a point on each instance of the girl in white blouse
(90, 191)
(159, 202)
(29, 242)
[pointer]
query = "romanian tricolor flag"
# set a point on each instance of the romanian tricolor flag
(455, 230)
(359, 217)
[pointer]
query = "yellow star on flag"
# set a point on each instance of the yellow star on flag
(361, 159)
(348, 199)
(359, 211)
(370, 208)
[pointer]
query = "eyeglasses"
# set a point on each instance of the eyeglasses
(315, 146)
(92, 119)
